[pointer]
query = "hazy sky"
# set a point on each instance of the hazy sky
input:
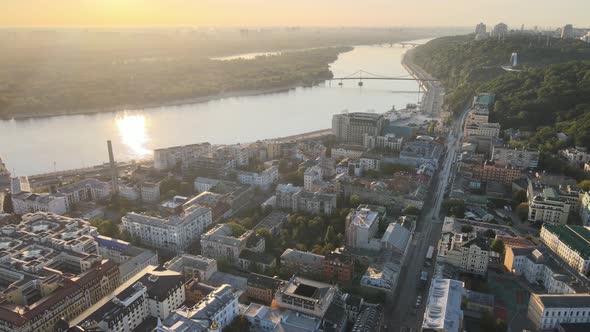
(292, 12)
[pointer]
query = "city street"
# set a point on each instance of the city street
(400, 306)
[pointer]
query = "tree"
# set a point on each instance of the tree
(412, 211)
(223, 265)
(454, 207)
(330, 237)
(490, 233)
(498, 246)
(106, 227)
(239, 324)
(354, 200)
(521, 196)
(522, 210)
(466, 228)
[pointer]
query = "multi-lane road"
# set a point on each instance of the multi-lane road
(401, 314)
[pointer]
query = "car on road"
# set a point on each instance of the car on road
(418, 301)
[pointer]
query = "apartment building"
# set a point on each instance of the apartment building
(491, 172)
(548, 207)
(575, 156)
(388, 142)
(338, 265)
(310, 176)
(154, 292)
(585, 208)
(51, 268)
(571, 243)
(167, 158)
(174, 233)
(131, 259)
(477, 116)
(470, 255)
(314, 203)
(305, 296)
(26, 202)
(213, 313)
(85, 190)
(546, 311)
(193, 266)
(264, 318)
(302, 262)
(219, 242)
(538, 267)
(361, 227)
(523, 158)
(482, 130)
(263, 180)
(350, 128)
(262, 288)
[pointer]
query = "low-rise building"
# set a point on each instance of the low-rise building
(347, 151)
(302, 262)
(443, 307)
(193, 266)
(546, 311)
(263, 318)
(571, 243)
(154, 292)
(262, 288)
(575, 156)
(26, 202)
(585, 208)
(388, 142)
(175, 233)
(314, 203)
(213, 313)
(220, 243)
(263, 180)
(85, 190)
(482, 130)
(203, 184)
(490, 172)
(310, 176)
(273, 222)
(167, 158)
(548, 207)
(381, 277)
(398, 235)
(306, 296)
(131, 259)
(195, 290)
(369, 319)
(338, 265)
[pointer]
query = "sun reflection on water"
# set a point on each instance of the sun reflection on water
(132, 130)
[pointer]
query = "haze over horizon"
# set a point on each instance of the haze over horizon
(232, 13)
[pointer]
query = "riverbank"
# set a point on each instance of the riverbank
(154, 105)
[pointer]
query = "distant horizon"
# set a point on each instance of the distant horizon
(304, 13)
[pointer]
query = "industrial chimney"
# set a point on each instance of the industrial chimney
(114, 173)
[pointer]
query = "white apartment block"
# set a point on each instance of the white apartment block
(85, 190)
(167, 158)
(26, 202)
(310, 176)
(204, 184)
(240, 154)
(284, 195)
(549, 207)
(175, 233)
(219, 242)
(361, 228)
(537, 266)
(545, 311)
(213, 313)
(193, 266)
(517, 158)
(262, 180)
(352, 152)
(575, 156)
(370, 163)
(469, 255)
(571, 243)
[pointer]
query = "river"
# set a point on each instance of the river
(39, 145)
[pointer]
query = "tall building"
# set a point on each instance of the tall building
(480, 29)
(548, 207)
(349, 128)
(173, 234)
(567, 31)
(361, 227)
(500, 30)
(167, 158)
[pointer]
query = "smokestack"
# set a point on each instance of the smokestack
(114, 174)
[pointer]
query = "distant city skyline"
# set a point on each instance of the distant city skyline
(233, 13)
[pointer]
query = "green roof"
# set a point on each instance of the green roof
(576, 238)
(486, 99)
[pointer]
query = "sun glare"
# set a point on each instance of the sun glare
(132, 130)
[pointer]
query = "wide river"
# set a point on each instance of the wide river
(39, 145)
